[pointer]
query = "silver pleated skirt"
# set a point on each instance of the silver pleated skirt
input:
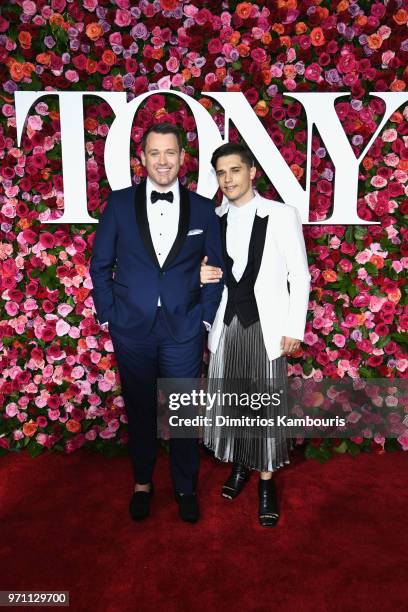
(241, 365)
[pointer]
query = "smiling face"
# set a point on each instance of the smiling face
(162, 159)
(235, 179)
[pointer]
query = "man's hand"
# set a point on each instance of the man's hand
(209, 274)
(289, 345)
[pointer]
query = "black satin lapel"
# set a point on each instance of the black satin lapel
(143, 222)
(260, 225)
(184, 223)
(223, 222)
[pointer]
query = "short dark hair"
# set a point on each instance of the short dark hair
(233, 148)
(163, 128)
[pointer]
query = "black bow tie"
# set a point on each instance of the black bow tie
(156, 195)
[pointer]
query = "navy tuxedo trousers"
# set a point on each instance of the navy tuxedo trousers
(140, 363)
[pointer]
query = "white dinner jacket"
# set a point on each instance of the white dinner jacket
(284, 260)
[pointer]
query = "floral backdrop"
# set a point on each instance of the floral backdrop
(59, 384)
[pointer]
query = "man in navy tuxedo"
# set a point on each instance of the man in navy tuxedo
(156, 235)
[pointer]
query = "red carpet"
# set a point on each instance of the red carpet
(341, 543)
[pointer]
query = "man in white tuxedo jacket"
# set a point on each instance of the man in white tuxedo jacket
(262, 314)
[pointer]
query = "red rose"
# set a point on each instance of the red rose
(381, 329)
(141, 85)
(168, 5)
(214, 46)
(347, 63)
(313, 72)
(315, 442)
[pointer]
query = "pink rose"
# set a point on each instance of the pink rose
(310, 338)
(53, 414)
(386, 57)
(384, 31)
(164, 82)
(403, 440)
(363, 257)
(177, 80)
(397, 266)
(64, 309)
(173, 64)
(122, 18)
(72, 76)
(90, 5)
(376, 303)
(106, 434)
(42, 438)
(11, 308)
(115, 38)
(345, 265)
(378, 181)
(339, 340)
(35, 123)
(62, 327)
(389, 135)
(29, 8)
(11, 410)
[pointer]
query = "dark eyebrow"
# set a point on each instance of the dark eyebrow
(233, 168)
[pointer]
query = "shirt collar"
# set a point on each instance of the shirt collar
(247, 209)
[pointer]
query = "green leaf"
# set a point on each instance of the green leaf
(35, 449)
(342, 448)
(349, 234)
(360, 232)
(353, 448)
(383, 340)
(400, 338)
(371, 268)
(366, 372)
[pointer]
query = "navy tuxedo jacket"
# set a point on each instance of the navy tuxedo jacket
(123, 245)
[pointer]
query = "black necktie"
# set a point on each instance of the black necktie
(156, 195)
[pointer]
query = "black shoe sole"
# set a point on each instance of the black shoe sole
(268, 524)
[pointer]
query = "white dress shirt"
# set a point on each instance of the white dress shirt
(163, 218)
(239, 228)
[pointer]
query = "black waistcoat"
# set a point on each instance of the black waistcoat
(241, 297)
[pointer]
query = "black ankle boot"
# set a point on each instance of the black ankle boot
(235, 483)
(268, 513)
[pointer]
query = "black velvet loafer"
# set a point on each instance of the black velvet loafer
(139, 506)
(188, 507)
(235, 483)
(268, 513)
